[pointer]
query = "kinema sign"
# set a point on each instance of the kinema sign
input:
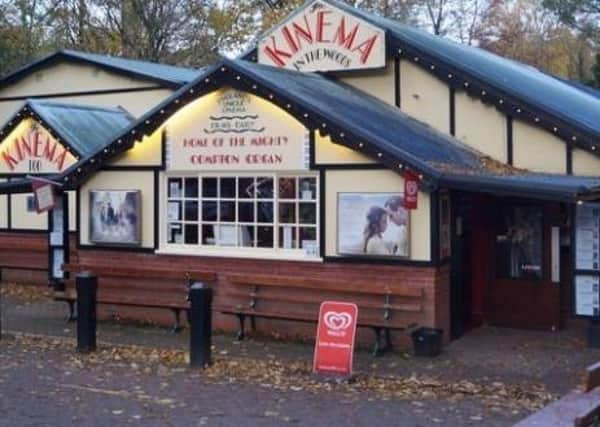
(30, 149)
(321, 37)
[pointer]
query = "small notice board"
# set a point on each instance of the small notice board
(586, 281)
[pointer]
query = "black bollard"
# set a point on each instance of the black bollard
(87, 286)
(200, 325)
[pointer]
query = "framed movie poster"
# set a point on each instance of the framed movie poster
(373, 224)
(115, 217)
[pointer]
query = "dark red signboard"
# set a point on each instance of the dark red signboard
(411, 190)
(335, 338)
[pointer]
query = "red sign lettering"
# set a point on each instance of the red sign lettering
(336, 333)
(322, 37)
(33, 147)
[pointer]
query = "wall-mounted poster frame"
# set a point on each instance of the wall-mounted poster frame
(586, 260)
(115, 217)
(373, 225)
(58, 241)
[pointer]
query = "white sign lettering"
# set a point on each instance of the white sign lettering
(321, 37)
(233, 130)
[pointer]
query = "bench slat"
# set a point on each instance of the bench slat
(412, 307)
(303, 317)
(111, 271)
(322, 284)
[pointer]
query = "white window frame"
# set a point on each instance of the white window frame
(274, 252)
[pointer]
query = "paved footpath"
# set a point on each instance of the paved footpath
(139, 376)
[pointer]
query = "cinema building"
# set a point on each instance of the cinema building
(346, 157)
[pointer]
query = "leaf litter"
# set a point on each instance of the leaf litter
(293, 376)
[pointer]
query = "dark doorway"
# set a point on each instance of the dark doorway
(460, 275)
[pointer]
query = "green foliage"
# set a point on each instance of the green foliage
(561, 37)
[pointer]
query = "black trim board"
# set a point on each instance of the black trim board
(26, 231)
(349, 166)
(373, 260)
(397, 82)
(452, 111)
(163, 149)
(81, 93)
(312, 148)
(322, 212)
(130, 168)
(140, 249)
(78, 217)
(434, 234)
(569, 158)
(157, 201)
(509, 140)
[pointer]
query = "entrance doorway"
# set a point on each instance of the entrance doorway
(501, 270)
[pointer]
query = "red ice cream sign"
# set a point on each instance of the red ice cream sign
(335, 338)
(411, 190)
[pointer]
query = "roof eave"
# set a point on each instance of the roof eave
(479, 184)
(65, 56)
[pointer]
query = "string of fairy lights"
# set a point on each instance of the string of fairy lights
(227, 73)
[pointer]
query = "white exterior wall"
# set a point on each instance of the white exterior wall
(121, 180)
(379, 83)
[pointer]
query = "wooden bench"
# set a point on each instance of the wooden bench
(578, 408)
(381, 307)
(176, 302)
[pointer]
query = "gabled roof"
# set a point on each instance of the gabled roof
(380, 127)
(518, 89)
(353, 119)
(86, 129)
(167, 75)
(83, 129)
(519, 80)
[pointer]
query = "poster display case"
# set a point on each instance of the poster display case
(586, 289)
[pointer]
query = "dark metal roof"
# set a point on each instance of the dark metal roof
(86, 129)
(514, 78)
(595, 92)
(519, 90)
(567, 188)
(83, 129)
(351, 118)
(371, 120)
(168, 75)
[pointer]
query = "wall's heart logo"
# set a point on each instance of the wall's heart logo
(337, 321)
(412, 188)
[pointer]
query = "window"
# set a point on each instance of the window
(519, 241)
(277, 212)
